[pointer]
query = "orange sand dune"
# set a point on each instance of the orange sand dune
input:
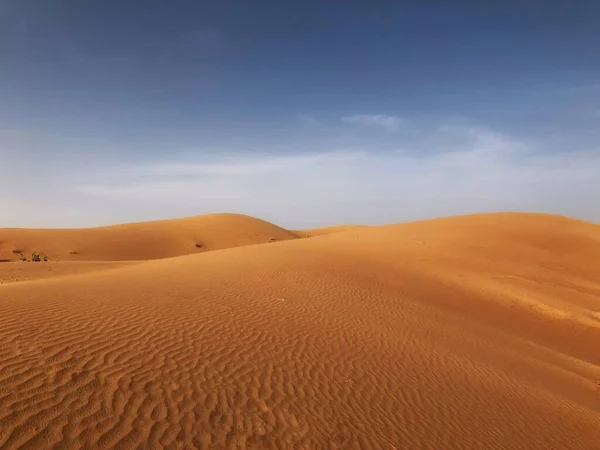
(139, 241)
(467, 332)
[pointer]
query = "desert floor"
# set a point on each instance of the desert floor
(225, 331)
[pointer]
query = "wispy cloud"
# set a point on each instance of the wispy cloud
(432, 169)
(390, 123)
(584, 88)
(480, 171)
(308, 119)
(228, 166)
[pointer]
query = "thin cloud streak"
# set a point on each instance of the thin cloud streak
(233, 166)
(308, 120)
(389, 123)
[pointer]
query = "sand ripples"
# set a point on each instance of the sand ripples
(301, 345)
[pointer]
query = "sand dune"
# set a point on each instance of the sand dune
(467, 332)
(140, 241)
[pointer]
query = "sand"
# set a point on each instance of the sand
(468, 332)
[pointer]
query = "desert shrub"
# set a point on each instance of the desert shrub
(22, 258)
(45, 258)
(35, 257)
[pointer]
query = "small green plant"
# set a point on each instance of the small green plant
(22, 258)
(45, 258)
(35, 257)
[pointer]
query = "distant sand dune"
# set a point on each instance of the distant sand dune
(144, 240)
(467, 332)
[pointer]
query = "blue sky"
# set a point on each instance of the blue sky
(303, 113)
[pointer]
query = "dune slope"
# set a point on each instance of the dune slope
(140, 241)
(438, 334)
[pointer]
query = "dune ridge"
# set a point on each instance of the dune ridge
(466, 332)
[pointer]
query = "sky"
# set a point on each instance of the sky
(304, 113)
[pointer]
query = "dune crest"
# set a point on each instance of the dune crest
(466, 332)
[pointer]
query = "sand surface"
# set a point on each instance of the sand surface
(11, 272)
(468, 332)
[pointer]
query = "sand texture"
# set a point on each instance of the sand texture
(472, 332)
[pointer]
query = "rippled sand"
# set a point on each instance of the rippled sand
(468, 332)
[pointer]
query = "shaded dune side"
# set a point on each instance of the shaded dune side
(144, 240)
(332, 342)
(324, 231)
